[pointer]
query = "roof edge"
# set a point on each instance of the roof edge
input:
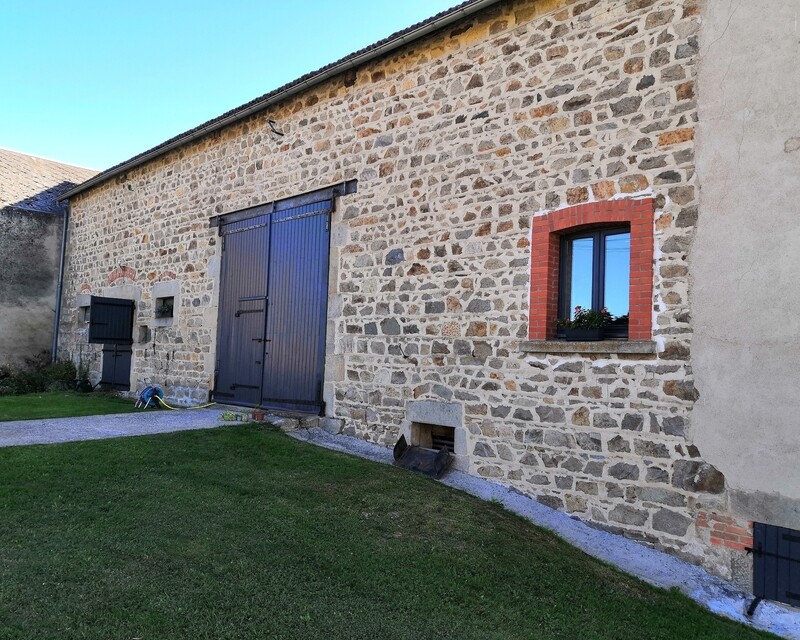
(401, 38)
(46, 159)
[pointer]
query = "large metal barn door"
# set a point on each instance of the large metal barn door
(274, 301)
(242, 310)
(298, 296)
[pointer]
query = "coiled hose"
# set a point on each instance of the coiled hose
(153, 394)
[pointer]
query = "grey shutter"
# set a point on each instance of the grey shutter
(110, 321)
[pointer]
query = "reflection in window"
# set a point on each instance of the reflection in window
(580, 278)
(616, 279)
(595, 273)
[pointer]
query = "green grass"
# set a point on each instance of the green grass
(241, 532)
(61, 404)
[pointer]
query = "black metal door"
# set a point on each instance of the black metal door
(117, 366)
(242, 311)
(776, 565)
(111, 324)
(273, 303)
(110, 321)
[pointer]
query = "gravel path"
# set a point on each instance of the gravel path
(109, 426)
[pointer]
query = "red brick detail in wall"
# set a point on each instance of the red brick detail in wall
(86, 287)
(167, 275)
(122, 272)
(546, 245)
(725, 531)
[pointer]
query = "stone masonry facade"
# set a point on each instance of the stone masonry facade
(460, 143)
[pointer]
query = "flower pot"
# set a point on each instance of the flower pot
(584, 335)
(258, 416)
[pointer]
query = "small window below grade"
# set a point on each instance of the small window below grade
(595, 274)
(164, 307)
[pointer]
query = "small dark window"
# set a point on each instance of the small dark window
(595, 274)
(164, 307)
(84, 313)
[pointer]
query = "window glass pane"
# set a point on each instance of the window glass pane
(580, 277)
(617, 275)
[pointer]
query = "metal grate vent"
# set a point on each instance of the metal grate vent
(776, 565)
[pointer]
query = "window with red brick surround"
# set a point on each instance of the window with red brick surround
(546, 246)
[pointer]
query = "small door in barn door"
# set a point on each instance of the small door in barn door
(242, 311)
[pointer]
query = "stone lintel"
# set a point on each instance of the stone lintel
(446, 414)
(168, 289)
(644, 347)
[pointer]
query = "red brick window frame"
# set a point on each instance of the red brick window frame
(545, 261)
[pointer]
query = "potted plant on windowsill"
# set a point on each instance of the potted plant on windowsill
(586, 324)
(164, 309)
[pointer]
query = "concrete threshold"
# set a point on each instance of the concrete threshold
(654, 567)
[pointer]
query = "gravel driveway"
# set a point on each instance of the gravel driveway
(120, 425)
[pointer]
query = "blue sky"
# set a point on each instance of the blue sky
(93, 83)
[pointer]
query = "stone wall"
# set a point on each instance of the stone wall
(459, 142)
(30, 245)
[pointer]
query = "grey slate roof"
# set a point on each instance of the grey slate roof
(352, 61)
(35, 184)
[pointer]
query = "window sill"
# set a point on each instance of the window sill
(639, 347)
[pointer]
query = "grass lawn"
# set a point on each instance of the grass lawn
(241, 532)
(61, 404)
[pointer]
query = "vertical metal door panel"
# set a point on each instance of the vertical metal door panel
(242, 311)
(298, 296)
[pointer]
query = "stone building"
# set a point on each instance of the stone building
(31, 222)
(411, 221)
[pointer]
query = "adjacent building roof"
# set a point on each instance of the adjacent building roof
(352, 61)
(36, 184)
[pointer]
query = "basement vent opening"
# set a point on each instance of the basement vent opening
(431, 451)
(434, 436)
